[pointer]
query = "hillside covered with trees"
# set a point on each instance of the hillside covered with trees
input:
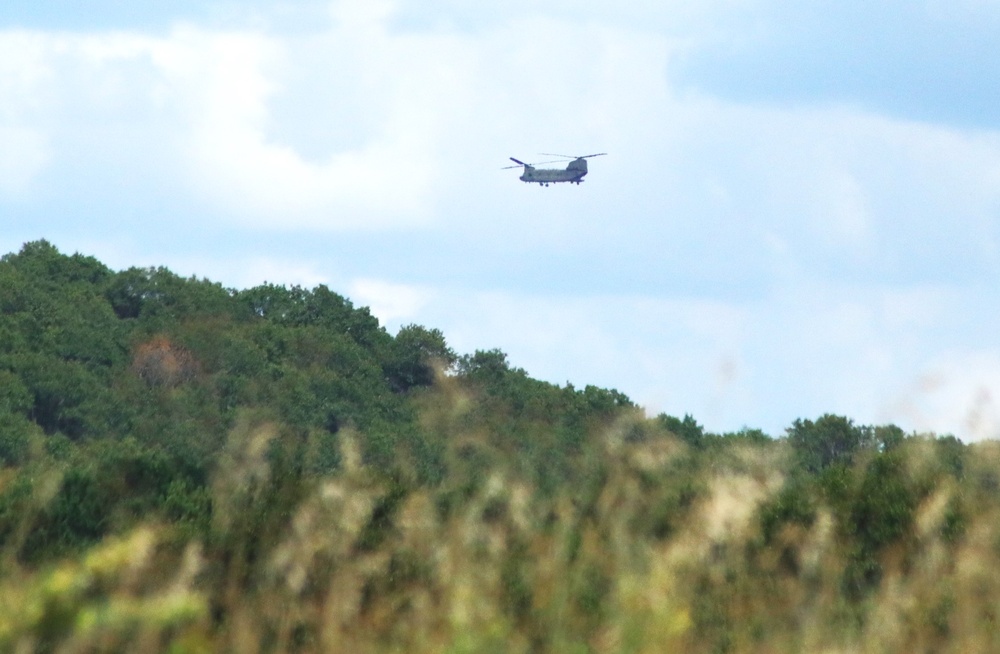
(190, 468)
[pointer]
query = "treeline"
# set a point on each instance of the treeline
(187, 467)
(133, 381)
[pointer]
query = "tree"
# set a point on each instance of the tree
(831, 440)
(688, 429)
(415, 353)
(485, 366)
(41, 260)
(157, 294)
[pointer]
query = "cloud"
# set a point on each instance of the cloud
(24, 150)
(208, 94)
(958, 393)
(239, 166)
(23, 155)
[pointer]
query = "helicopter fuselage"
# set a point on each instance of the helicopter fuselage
(573, 173)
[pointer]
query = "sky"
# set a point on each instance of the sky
(798, 214)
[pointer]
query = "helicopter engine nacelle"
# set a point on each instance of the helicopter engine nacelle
(578, 165)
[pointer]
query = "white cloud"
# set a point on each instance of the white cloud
(846, 212)
(362, 14)
(24, 150)
(269, 183)
(211, 92)
(23, 70)
(958, 393)
(23, 155)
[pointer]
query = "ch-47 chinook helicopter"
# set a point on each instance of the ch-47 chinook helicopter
(573, 173)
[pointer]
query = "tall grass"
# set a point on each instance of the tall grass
(660, 548)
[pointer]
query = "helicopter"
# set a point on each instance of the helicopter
(573, 173)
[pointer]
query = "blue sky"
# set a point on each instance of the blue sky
(799, 212)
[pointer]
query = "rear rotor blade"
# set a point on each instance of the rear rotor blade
(586, 156)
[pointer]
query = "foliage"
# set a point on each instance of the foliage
(829, 441)
(190, 468)
(688, 429)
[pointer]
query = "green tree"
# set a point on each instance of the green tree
(688, 429)
(831, 440)
(40, 260)
(415, 354)
(487, 367)
(161, 298)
